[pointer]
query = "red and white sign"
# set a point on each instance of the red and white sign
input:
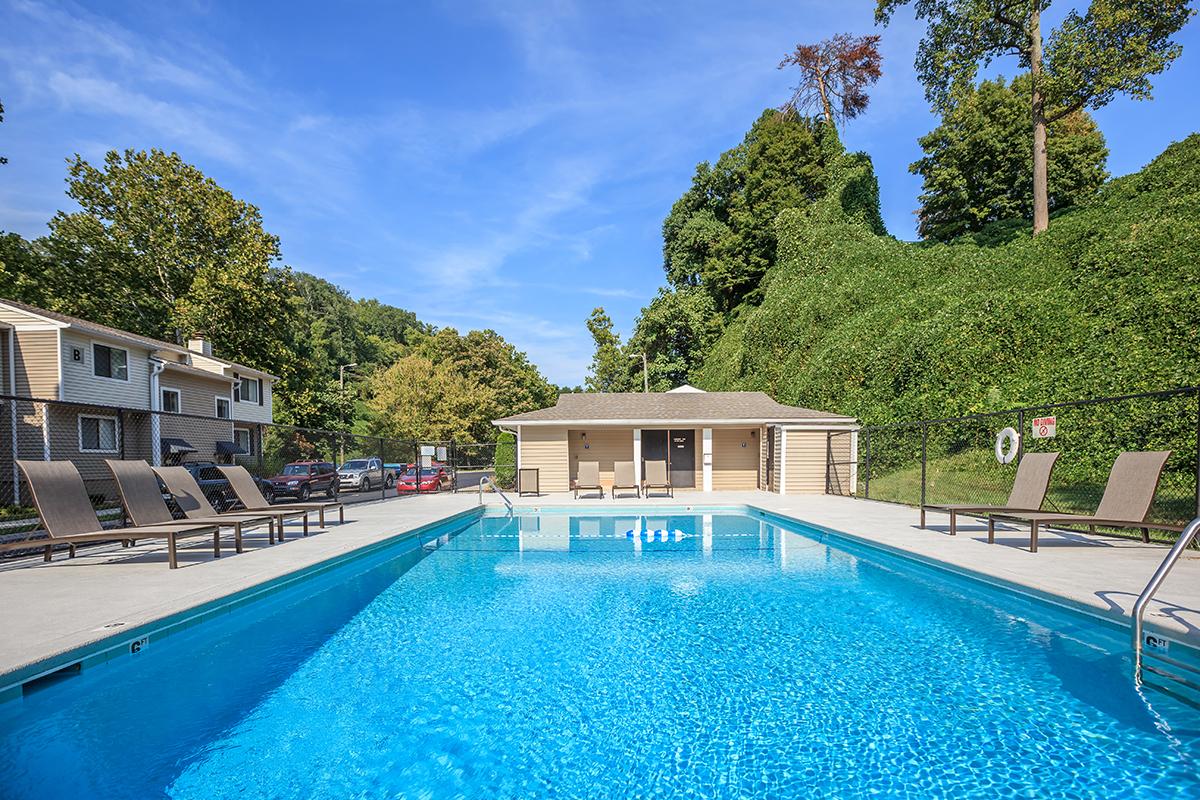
(1043, 427)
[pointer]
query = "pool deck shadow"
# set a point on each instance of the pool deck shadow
(71, 603)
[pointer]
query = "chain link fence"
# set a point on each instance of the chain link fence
(943, 461)
(289, 463)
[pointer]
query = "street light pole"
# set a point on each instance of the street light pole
(342, 389)
(645, 372)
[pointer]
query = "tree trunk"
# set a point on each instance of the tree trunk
(1041, 200)
(820, 78)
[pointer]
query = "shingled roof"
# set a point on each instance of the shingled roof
(629, 407)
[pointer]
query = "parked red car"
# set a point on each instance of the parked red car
(432, 479)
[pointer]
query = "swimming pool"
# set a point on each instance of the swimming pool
(614, 655)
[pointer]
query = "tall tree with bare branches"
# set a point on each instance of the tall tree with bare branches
(834, 76)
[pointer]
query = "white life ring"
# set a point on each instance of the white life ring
(1008, 442)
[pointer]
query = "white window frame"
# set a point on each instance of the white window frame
(249, 448)
(162, 406)
(116, 431)
(115, 349)
(241, 395)
(217, 407)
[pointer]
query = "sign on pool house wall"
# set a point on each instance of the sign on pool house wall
(1044, 427)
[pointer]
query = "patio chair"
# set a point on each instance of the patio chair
(1126, 502)
(66, 512)
(623, 478)
(142, 497)
(656, 478)
(1028, 492)
(246, 489)
(587, 478)
(192, 501)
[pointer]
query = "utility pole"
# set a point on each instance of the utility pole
(645, 372)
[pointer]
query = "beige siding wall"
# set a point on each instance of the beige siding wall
(807, 456)
(546, 449)
(778, 457)
(37, 363)
(735, 467)
(605, 445)
(82, 385)
(202, 434)
(253, 412)
(198, 393)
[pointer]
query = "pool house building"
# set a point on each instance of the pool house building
(711, 441)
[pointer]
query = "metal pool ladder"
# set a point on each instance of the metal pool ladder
(487, 479)
(1139, 610)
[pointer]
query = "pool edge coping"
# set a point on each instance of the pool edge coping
(119, 642)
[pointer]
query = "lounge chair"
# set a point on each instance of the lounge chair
(1028, 492)
(247, 491)
(623, 478)
(140, 494)
(190, 498)
(587, 478)
(66, 511)
(1126, 503)
(656, 478)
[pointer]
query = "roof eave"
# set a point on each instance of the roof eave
(646, 423)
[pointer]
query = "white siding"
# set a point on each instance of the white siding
(82, 385)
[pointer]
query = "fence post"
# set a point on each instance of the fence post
(1198, 453)
(867, 468)
(924, 450)
(382, 471)
(1020, 435)
(828, 457)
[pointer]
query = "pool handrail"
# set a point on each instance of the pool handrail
(488, 480)
(1186, 537)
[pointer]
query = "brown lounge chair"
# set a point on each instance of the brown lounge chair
(140, 494)
(1028, 491)
(190, 498)
(67, 515)
(587, 478)
(624, 479)
(247, 491)
(1125, 504)
(656, 478)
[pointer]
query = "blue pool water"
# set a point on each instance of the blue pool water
(559, 656)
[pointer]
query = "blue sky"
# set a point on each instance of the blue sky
(490, 164)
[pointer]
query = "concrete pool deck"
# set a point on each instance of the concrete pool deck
(52, 610)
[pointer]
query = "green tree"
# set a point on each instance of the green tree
(416, 398)
(610, 369)
(1113, 48)
(514, 384)
(720, 233)
(675, 332)
(976, 169)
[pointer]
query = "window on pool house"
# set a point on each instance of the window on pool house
(110, 362)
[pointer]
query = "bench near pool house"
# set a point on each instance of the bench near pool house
(711, 441)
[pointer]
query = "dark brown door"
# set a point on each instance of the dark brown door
(683, 459)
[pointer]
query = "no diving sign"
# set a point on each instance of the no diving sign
(1043, 427)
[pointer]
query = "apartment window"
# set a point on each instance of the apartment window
(248, 390)
(110, 362)
(222, 408)
(243, 439)
(171, 401)
(98, 434)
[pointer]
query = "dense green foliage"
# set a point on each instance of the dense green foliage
(1108, 301)
(159, 249)
(609, 371)
(977, 167)
(719, 234)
